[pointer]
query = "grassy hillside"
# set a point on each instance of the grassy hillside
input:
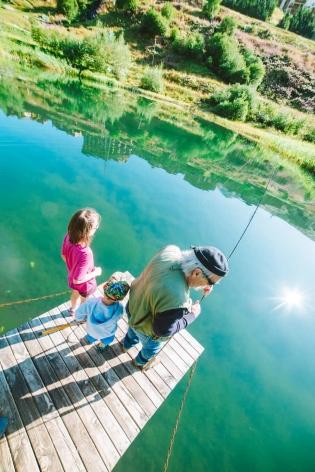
(289, 60)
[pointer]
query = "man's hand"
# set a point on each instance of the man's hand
(207, 290)
(195, 309)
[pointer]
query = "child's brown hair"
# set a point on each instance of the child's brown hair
(82, 224)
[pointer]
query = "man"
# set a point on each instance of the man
(159, 303)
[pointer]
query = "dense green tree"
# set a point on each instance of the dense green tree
(211, 8)
(154, 24)
(226, 57)
(285, 21)
(69, 8)
(303, 22)
(262, 9)
(127, 5)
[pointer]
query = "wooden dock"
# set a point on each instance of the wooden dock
(73, 408)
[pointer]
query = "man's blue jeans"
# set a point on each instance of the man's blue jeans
(150, 346)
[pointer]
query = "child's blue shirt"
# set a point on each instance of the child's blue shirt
(101, 319)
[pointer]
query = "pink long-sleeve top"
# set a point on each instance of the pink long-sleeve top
(79, 261)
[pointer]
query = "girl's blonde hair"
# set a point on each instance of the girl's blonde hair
(81, 225)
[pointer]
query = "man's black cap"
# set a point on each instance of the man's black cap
(212, 259)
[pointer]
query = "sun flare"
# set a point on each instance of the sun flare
(290, 298)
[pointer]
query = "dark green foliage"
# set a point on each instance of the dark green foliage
(303, 22)
(69, 8)
(310, 135)
(168, 11)
(236, 102)
(232, 64)
(127, 5)
(261, 9)
(100, 53)
(255, 68)
(211, 8)
(227, 58)
(154, 24)
(191, 45)
(286, 20)
(228, 25)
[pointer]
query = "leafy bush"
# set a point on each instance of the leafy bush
(153, 79)
(127, 5)
(261, 9)
(310, 135)
(228, 25)
(211, 8)
(255, 68)
(236, 102)
(264, 34)
(192, 45)
(103, 52)
(168, 11)
(269, 115)
(226, 57)
(154, 24)
(303, 22)
(69, 8)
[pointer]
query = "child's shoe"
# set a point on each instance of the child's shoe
(88, 339)
(101, 347)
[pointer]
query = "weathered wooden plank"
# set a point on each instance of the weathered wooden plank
(21, 450)
(123, 391)
(103, 412)
(59, 434)
(82, 395)
(191, 341)
(6, 461)
(133, 415)
(187, 358)
(42, 445)
(71, 414)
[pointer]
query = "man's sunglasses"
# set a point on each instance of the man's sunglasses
(208, 279)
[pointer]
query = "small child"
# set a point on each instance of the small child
(102, 313)
(78, 255)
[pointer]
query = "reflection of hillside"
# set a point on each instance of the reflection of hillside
(113, 126)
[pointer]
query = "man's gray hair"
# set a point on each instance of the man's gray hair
(189, 262)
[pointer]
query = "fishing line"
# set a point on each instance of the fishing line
(254, 212)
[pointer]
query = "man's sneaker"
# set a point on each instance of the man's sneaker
(122, 347)
(151, 363)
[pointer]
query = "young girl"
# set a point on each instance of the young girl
(78, 256)
(102, 313)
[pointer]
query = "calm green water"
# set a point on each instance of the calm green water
(158, 176)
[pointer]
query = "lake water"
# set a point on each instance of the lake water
(158, 176)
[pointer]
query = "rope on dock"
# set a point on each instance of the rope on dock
(170, 448)
(28, 300)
